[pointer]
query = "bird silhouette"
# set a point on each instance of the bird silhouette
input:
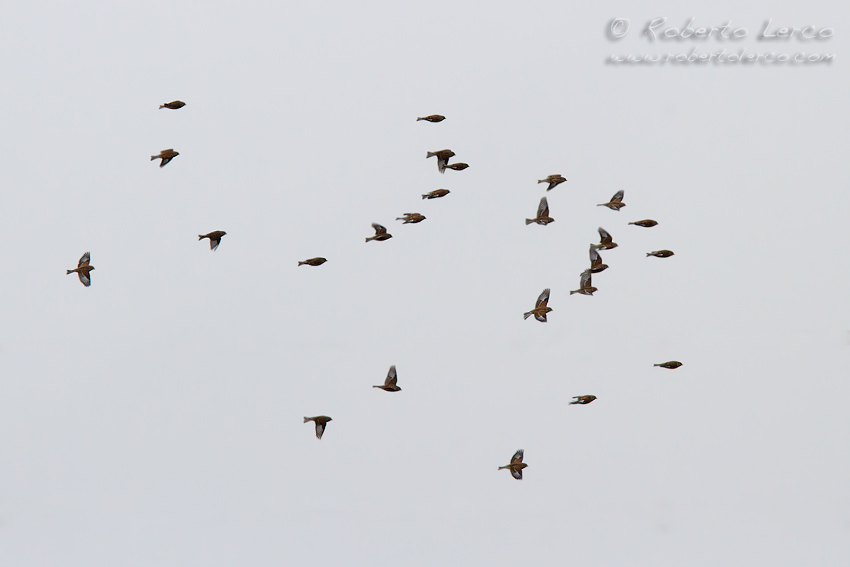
(83, 269)
(516, 465)
(389, 384)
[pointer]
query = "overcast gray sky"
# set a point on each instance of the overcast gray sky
(155, 418)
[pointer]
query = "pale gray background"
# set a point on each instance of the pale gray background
(154, 419)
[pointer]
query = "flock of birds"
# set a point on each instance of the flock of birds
(541, 308)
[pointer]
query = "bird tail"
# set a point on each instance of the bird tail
(68, 272)
(153, 157)
(368, 239)
(572, 292)
(376, 386)
(602, 205)
(429, 154)
(648, 254)
(201, 237)
(299, 263)
(425, 196)
(541, 181)
(632, 223)
(161, 106)
(653, 364)
(573, 403)
(526, 315)
(528, 221)
(306, 419)
(418, 119)
(500, 468)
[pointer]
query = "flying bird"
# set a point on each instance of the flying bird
(605, 240)
(321, 422)
(432, 118)
(516, 465)
(660, 254)
(672, 364)
(596, 264)
(390, 382)
(616, 203)
(83, 269)
(442, 158)
(541, 308)
(584, 287)
(412, 218)
(582, 400)
(214, 236)
(173, 105)
(646, 223)
(542, 217)
(457, 166)
(313, 261)
(166, 156)
(553, 180)
(380, 233)
(436, 194)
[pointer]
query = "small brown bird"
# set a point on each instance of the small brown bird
(516, 465)
(672, 364)
(660, 254)
(412, 218)
(390, 382)
(553, 180)
(541, 308)
(582, 400)
(432, 118)
(436, 194)
(646, 223)
(313, 261)
(442, 158)
(606, 242)
(321, 422)
(166, 156)
(83, 269)
(584, 287)
(173, 105)
(616, 203)
(214, 236)
(596, 264)
(380, 233)
(457, 166)
(542, 214)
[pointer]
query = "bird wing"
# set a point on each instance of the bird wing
(165, 161)
(214, 242)
(85, 278)
(543, 208)
(84, 260)
(379, 229)
(517, 458)
(543, 299)
(392, 377)
(618, 196)
(516, 473)
(603, 234)
(595, 260)
(320, 429)
(585, 280)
